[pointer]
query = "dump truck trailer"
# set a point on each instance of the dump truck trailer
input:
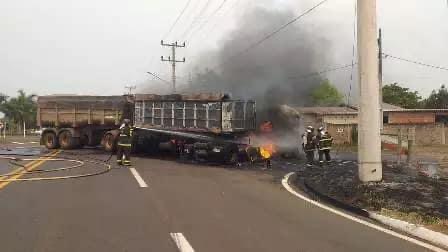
(73, 121)
(200, 126)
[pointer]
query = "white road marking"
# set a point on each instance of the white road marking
(181, 242)
(17, 143)
(137, 177)
(33, 142)
(352, 218)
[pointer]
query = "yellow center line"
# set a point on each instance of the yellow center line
(29, 167)
(19, 169)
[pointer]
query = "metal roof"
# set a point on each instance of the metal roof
(184, 97)
(387, 106)
(416, 110)
(354, 111)
(326, 110)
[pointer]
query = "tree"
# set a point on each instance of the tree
(326, 95)
(21, 109)
(438, 99)
(3, 98)
(400, 96)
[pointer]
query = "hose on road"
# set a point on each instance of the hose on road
(12, 160)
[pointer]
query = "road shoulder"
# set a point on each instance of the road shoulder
(291, 177)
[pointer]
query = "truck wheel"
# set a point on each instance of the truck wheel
(50, 140)
(67, 141)
(109, 142)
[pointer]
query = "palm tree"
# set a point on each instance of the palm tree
(20, 110)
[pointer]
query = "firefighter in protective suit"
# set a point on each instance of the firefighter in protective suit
(324, 143)
(125, 143)
(308, 145)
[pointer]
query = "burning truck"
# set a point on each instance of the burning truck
(200, 126)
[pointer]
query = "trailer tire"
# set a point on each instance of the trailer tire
(109, 142)
(67, 141)
(50, 140)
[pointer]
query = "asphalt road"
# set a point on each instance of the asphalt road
(209, 208)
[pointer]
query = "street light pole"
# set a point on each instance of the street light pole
(369, 138)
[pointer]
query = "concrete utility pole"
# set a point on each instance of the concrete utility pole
(130, 88)
(369, 139)
(173, 60)
(380, 76)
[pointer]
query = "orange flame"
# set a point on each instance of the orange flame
(266, 151)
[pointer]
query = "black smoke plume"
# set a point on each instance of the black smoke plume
(272, 73)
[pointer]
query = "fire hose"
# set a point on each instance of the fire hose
(13, 161)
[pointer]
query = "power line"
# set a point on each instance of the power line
(212, 27)
(323, 71)
(203, 35)
(415, 62)
(159, 78)
(177, 19)
(201, 12)
(355, 16)
(208, 19)
(190, 14)
(273, 33)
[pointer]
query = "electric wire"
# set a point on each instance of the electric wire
(207, 20)
(158, 77)
(165, 81)
(177, 19)
(273, 33)
(190, 15)
(353, 52)
(193, 22)
(212, 27)
(197, 24)
(323, 71)
(415, 62)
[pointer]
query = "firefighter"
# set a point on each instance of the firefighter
(308, 145)
(125, 143)
(324, 143)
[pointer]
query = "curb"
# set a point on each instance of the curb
(337, 203)
(436, 238)
(407, 227)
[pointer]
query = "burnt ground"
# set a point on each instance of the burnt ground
(406, 192)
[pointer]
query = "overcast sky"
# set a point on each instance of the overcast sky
(99, 46)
